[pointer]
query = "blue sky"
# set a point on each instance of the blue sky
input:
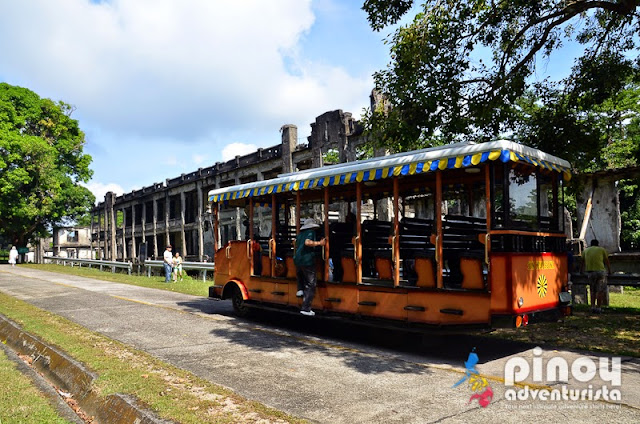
(163, 87)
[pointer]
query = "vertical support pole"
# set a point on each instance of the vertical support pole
(250, 241)
(297, 212)
(326, 233)
(214, 211)
(274, 217)
(396, 232)
(487, 240)
(358, 245)
(438, 216)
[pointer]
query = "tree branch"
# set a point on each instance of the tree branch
(625, 8)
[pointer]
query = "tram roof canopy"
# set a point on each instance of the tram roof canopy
(452, 156)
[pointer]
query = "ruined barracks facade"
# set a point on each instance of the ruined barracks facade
(139, 224)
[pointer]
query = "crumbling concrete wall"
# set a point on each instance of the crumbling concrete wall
(604, 223)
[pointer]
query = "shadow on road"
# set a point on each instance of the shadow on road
(271, 331)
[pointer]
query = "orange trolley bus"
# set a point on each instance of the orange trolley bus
(464, 236)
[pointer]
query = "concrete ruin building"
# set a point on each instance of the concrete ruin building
(138, 225)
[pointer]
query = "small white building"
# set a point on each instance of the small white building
(72, 242)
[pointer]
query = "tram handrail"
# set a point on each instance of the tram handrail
(91, 262)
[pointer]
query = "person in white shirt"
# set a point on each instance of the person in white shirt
(168, 264)
(13, 256)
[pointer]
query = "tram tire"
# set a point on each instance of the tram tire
(240, 308)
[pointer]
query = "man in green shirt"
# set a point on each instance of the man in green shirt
(305, 261)
(594, 259)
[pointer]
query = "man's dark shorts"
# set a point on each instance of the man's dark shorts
(598, 281)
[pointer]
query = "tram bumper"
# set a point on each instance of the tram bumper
(215, 291)
(517, 320)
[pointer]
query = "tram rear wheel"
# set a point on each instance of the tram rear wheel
(239, 306)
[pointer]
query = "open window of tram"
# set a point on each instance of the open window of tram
(342, 230)
(464, 226)
(416, 232)
(259, 209)
(527, 199)
(376, 230)
(312, 206)
(282, 236)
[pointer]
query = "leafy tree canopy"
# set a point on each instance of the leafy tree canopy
(41, 165)
(463, 70)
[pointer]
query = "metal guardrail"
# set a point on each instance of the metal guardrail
(627, 280)
(91, 262)
(203, 267)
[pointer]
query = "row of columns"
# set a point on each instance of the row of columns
(106, 223)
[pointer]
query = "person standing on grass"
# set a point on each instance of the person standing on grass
(168, 264)
(305, 261)
(594, 259)
(13, 256)
(177, 267)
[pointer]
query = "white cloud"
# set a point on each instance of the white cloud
(100, 190)
(173, 69)
(232, 150)
(158, 78)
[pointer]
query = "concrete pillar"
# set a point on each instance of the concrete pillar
(112, 227)
(289, 142)
(155, 227)
(133, 232)
(106, 230)
(199, 220)
(124, 234)
(144, 223)
(167, 204)
(183, 239)
(56, 241)
(92, 256)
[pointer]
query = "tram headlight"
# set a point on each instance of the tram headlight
(520, 302)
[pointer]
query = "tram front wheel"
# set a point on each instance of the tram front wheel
(239, 306)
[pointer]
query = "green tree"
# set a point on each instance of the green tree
(41, 165)
(462, 69)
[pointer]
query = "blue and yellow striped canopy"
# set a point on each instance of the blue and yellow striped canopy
(460, 155)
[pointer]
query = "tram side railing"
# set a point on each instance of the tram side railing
(91, 263)
(203, 267)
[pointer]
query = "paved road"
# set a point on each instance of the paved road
(322, 370)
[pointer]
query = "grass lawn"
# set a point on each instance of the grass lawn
(615, 331)
(173, 393)
(20, 399)
(190, 285)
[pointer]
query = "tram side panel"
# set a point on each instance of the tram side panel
(528, 284)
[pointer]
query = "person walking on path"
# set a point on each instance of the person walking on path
(168, 264)
(594, 259)
(13, 256)
(305, 261)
